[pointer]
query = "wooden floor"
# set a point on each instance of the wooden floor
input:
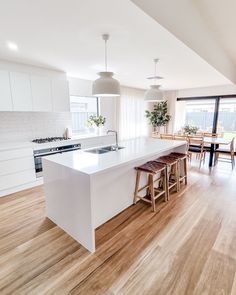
(188, 247)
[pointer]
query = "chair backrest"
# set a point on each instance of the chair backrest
(183, 138)
(166, 136)
(180, 137)
(210, 134)
(196, 141)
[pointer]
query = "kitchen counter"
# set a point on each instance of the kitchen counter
(36, 146)
(135, 149)
(84, 190)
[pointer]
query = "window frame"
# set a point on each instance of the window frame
(217, 99)
(86, 96)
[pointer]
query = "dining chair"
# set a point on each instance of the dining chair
(210, 134)
(230, 152)
(183, 138)
(196, 146)
(166, 136)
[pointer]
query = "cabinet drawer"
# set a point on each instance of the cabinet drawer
(17, 153)
(16, 165)
(17, 179)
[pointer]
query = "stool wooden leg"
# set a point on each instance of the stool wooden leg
(138, 173)
(185, 171)
(148, 193)
(152, 193)
(177, 176)
(165, 184)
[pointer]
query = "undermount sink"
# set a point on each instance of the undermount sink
(104, 150)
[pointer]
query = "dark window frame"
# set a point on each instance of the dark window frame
(217, 99)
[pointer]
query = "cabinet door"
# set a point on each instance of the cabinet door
(5, 92)
(41, 93)
(21, 92)
(60, 95)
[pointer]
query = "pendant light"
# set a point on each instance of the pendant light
(106, 85)
(154, 93)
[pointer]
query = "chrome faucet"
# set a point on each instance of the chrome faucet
(116, 133)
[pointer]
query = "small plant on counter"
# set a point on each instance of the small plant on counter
(97, 121)
(188, 129)
(158, 117)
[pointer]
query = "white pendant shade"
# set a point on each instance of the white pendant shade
(106, 85)
(153, 94)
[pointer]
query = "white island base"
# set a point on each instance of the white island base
(84, 190)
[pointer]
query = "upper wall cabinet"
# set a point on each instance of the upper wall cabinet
(41, 94)
(5, 92)
(32, 92)
(21, 92)
(60, 95)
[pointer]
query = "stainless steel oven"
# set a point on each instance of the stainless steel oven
(39, 154)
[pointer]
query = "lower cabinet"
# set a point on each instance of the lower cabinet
(17, 179)
(16, 170)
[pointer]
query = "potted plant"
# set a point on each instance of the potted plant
(190, 130)
(158, 117)
(98, 122)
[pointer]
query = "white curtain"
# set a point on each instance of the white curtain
(131, 113)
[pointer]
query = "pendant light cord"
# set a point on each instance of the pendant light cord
(155, 70)
(106, 55)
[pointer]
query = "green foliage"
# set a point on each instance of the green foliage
(96, 121)
(189, 129)
(158, 117)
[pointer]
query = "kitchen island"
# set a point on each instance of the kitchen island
(84, 190)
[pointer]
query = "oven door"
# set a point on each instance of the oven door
(38, 166)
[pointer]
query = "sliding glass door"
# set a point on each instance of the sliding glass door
(200, 113)
(210, 114)
(226, 124)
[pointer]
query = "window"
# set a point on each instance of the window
(82, 108)
(227, 118)
(200, 114)
(215, 114)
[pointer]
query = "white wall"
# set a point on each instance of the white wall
(18, 67)
(82, 87)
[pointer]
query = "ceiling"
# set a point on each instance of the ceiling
(66, 35)
(208, 27)
(219, 16)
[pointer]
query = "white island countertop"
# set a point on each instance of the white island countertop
(133, 150)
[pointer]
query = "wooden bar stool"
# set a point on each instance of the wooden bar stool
(151, 168)
(172, 172)
(182, 162)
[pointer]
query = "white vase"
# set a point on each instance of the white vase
(99, 130)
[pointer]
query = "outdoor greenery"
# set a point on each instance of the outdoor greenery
(158, 117)
(97, 121)
(189, 129)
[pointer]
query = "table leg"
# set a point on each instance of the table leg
(212, 151)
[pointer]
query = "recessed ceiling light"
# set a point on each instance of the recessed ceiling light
(12, 46)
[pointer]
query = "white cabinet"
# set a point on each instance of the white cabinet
(60, 95)
(41, 94)
(21, 91)
(16, 170)
(5, 92)
(32, 92)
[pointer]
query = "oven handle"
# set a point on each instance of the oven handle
(55, 152)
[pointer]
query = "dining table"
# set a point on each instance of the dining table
(214, 143)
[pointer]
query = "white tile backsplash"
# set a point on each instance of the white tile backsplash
(25, 126)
